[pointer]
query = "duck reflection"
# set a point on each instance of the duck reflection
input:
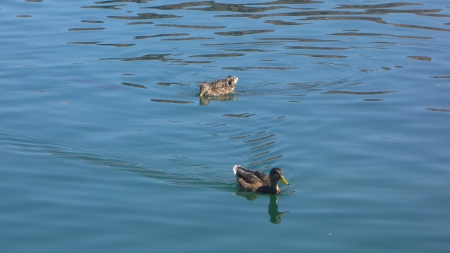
(205, 100)
(275, 215)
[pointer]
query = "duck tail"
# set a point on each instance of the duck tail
(204, 88)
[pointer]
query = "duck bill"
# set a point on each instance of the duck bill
(283, 180)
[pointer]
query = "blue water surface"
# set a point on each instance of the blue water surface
(105, 145)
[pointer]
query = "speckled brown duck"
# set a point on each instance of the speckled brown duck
(218, 87)
(256, 181)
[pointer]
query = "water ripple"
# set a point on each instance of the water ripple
(192, 26)
(213, 6)
(242, 115)
(140, 23)
(170, 101)
(180, 6)
(217, 55)
(375, 6)
(260, 139)
(146, 16)
(289, 54)
(243, 32)
(438, 110)
(148, 57)
(247, 68)
(85, 29)
(420, 58)
(160, 35)
(363, 93)
(266, 160)
(281, 22)
(108, 7)
(115, 45)
(263, 145)
(134, 85)
(329, 13)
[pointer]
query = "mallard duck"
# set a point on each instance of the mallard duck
(218, 87)
(256, 181)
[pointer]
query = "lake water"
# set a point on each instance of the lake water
(105, 145)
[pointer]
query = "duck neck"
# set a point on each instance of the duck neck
(274, 184)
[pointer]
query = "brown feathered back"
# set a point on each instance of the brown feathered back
(219, 87)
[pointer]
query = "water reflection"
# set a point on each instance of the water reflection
(270, 40)
(180, 6)
(372, 19)
(281, 22)
(140, 23)
(148, 57)
(243, 32)
(265, 160)
(420, 58)
(116, 45)
(213, 6)
(27, 144)
(145, 16)
(170, 84)
(361, 93)
(439, 77)
(218, 55)
(191, 26)
(275, 216)
(272, 210)
(375, 6)
(438, 110)
(334, 13)
(92, 21)
(260, 144)
(279, 62)
(249, 68)
(205, 100)
(240, 115)
(110, 7)
(381, 34)
(160, 35)
(124, 1)
(134, 85)
(188, 38)
(38, 146)
(171, 101)
(324, 56)
(85, 29)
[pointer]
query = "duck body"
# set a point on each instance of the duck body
(218, 87)
(256, 181)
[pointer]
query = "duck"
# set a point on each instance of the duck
(219, 87)
(257, 181)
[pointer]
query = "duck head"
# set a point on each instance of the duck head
(277, 174)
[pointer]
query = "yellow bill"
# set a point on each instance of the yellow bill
(283, 180)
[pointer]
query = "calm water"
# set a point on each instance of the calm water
(105, 146)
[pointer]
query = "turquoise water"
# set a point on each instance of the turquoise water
(106, 147)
